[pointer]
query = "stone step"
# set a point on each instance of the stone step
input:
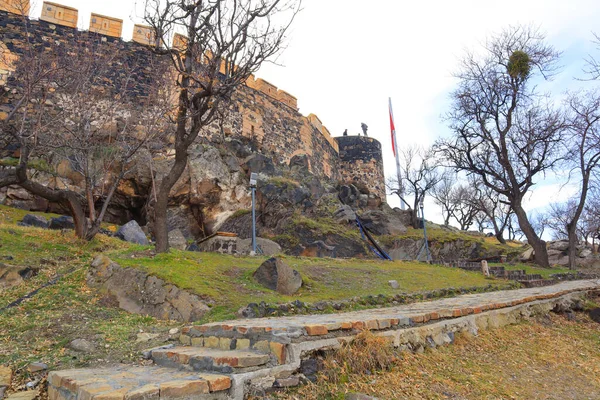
(207, 359)
(135, 383)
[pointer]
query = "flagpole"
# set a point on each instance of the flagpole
(397, 155)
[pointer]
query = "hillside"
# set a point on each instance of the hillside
(42, 326)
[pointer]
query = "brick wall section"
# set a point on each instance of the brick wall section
(361, 161)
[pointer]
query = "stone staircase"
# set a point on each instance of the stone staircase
(521, 276)
(231, 359)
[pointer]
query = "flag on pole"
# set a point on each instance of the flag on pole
(392, 128)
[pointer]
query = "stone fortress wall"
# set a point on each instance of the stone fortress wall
(264, 113)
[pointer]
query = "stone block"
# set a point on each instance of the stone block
(6, 374)
(225, 343)
(316, 330)
(384, 323)
(183, 389)
(358, 325)
(216, 383)
(262, 346)
(197, 342)
(146, 392)
(372, 324)
(212, 342)
(278, 350)
(242, 344)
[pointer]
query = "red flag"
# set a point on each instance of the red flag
(392, 128)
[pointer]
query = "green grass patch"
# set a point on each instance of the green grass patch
(228, 279)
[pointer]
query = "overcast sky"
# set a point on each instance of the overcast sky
(346, 57)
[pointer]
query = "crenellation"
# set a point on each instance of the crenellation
(287, 99)
(261, 112)
(179, 41)
(267, 88)
(20, 7)
(143, 34)
(104, 25)
(59, 14)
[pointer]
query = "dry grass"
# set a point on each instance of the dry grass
(551, 358)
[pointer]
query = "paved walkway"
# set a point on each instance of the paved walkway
(383, 318)
(226, 358)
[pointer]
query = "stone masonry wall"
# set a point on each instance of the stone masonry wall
(361, 162)
(261, 112)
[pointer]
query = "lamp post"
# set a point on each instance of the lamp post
(253, 180)
(425, 245)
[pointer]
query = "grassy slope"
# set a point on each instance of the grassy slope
(228, 279)
(39, 328)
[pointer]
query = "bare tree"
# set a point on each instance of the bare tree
(590, 220)
(420, 174)
(442, 194)
(223, 43)
(463, 205)
(71, 105)
(504, 131)
(583, 154)
(592, 69)
(540, 221)
(493, 206)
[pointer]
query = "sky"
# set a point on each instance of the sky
(345, 58)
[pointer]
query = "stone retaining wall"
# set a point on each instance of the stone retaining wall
(137, 292)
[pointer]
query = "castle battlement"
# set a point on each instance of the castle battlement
(262, 112)
(59, 14)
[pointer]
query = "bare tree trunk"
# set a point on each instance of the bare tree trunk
(572, 235)
(90, 200)
(161, 230)
(66, 198)
(500, 237)
(539, 246)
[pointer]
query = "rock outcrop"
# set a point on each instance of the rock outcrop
(558, 254)
(137, 292)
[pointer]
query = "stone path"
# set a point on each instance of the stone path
(222, 360)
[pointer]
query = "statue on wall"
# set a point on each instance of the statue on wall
(345, 132)
(364, 128)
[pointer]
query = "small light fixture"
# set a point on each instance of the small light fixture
(253, 178)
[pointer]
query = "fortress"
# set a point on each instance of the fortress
(263, 113)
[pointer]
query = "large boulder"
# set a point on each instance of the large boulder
(13, 275)
(526, 255)
(34, 220)
(277, 275)
(559, 245)
(260, 164)
(268, 247)
(177, 240)
(132, 232)
(383, 223)
(62, 222)
(219, 244)
(344, 215)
